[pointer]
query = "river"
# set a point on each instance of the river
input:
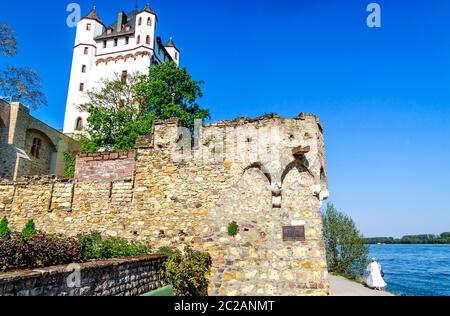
(415, 270)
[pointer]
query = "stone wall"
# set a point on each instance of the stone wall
(18, 129)
(121, 277)
(265, 174)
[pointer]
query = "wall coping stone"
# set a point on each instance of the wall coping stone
(15, 275)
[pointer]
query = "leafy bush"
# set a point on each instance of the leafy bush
(32, 249)
(19, 252)
(4, 229)
(187, 272)
(29, 229)
(98, 248)
(345, 247)
(233, 229)
(69, 168)
(165, 251)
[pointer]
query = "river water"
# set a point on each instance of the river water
(418, 270)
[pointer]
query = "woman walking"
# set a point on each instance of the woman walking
(375, 279)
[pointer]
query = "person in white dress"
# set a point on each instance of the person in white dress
(375, 279)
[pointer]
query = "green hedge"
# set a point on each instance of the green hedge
(33, 249)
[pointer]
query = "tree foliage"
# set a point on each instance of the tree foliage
(121, 110)
(444, 238)
(8, 42)
(116, 116)
(188, 272)
(169, 91)
(21, 84)
(4, 229)
(69, 167)
(345, 247)
(30, 229)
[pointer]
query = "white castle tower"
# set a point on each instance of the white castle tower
(127, 46)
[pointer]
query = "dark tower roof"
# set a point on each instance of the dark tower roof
(94, 15)
(148, 9)
(171, 43)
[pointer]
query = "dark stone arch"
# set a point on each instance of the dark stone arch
(44, 136)
(299, 164)
(260, 166)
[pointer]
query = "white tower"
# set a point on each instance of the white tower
(129, 45)
(173, 51)
(84, 51)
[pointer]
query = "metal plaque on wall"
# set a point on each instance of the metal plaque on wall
(294, 233)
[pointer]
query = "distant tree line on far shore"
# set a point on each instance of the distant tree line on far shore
(443, 238)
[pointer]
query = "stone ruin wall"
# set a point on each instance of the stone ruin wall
(241, 171)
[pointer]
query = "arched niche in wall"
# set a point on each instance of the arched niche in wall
(297, 182)
(41, 151)
(255, 196)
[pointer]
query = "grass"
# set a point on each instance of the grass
(165, 291)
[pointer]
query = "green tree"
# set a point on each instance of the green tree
(116, 116)
(4, 229)
(169, 91)
(29, 230)
(345, 246)
(22, 84)
(122, 110)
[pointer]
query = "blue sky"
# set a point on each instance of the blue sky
(382, 94)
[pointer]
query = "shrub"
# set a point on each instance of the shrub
(187, 272)
(4, 229)
(345, 247)
(19, 252)
(233, 229)
(98, 248)
(69, 168)
(29, 229)
(165, 251)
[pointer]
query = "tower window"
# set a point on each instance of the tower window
(124, 76)
(149, 21)
(105, 43)
(140, 21)
(147, 40)
(127, 40)
(36, 148)
(115, 42)
(86, 50)
(88, 27)
(176, 55)
(81, 87)
(83, 68)
(139, 39)
(79, 124)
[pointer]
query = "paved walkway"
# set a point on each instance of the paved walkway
(340, 286)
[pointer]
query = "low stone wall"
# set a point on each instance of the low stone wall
(118, 277)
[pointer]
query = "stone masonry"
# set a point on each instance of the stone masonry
(267, 174)
(19, 132)
(116, 277)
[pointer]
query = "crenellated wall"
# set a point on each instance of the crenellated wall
(267, 174)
